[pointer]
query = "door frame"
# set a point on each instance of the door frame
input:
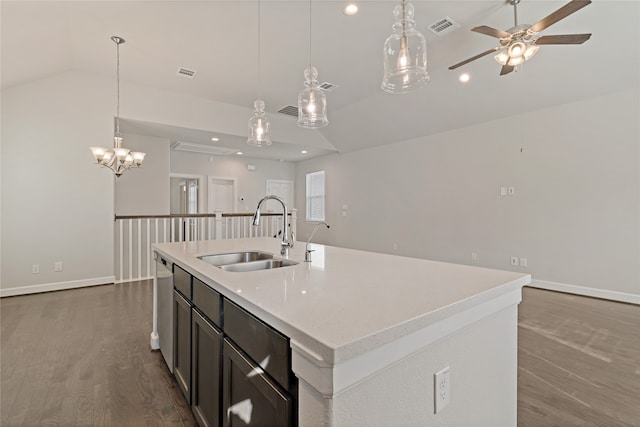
(222, 178)
(200, 178)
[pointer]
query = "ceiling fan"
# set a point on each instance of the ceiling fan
(520, 43)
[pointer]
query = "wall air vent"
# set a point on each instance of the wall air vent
(289, 110)
(443, 26)
(186, 73)
(201, 148)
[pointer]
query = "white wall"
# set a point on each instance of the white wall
(251, 185)
(56, 205)
(145, 190)
(574, 215)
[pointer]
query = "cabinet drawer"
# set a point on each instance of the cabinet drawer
(182, 281)
(207, 301)
(265, 345)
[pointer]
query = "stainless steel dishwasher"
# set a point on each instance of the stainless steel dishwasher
(164, 277)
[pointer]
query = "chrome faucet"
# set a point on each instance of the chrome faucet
(286, 241)
(307, 251)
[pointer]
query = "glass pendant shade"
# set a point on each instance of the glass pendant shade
(259, 132)
(405, 54)
(312, 102)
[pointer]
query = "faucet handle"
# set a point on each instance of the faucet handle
(307, 255)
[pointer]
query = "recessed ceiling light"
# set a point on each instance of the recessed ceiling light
(215, 139)
(463, 78)
(304, 152)
(239, 153)
(350, 9)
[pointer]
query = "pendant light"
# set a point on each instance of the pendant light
(405, 54)
(118, 159)
(312, 101)
(259, 127)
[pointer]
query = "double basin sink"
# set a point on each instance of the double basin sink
(246, 261)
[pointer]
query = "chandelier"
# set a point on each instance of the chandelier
(118, 159)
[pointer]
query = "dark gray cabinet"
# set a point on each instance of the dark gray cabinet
(182, 343)
(232, 368)
(206, 358)
(250, 396)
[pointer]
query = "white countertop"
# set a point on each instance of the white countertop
(345, 302)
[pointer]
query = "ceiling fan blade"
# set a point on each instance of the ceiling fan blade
(473, 58)
(506, 69)
(489, 31)
(563, 39)
(563, 12)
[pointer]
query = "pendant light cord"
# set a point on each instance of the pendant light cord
(117, 89)
(259, 56)
(404, 18)
(309, 33)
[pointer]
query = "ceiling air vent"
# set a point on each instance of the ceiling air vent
(186, 73)
(289, 110)
(328, 87)
(200, 148)
(443, 26)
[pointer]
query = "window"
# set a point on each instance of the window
(315, 196)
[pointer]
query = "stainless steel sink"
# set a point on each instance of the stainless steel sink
(235, 257)
(265, 264)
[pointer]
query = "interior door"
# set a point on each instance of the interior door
(221, 195)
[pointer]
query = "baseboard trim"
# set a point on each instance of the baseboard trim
(137, 279)
(59, 286)
(586, 291)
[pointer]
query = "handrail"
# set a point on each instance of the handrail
(200, 215)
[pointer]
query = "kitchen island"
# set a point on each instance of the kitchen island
(368, 331)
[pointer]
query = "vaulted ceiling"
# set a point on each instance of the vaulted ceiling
(219, 40)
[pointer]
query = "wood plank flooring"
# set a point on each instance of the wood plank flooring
(81, 358)
(578, 361)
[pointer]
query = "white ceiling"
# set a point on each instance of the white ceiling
(219, 40)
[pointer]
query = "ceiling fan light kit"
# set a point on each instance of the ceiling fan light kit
(521, 43)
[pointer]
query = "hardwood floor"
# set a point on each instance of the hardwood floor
(578, 361)
(82, 358)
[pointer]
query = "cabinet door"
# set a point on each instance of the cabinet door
(206, 357)
(250, 397)
(182, 343)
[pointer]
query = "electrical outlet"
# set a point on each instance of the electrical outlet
(57, 266)
(35, 268)
(474, 256)
(511, 191)
(514, 260)
(441, 389)
(523, 262)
